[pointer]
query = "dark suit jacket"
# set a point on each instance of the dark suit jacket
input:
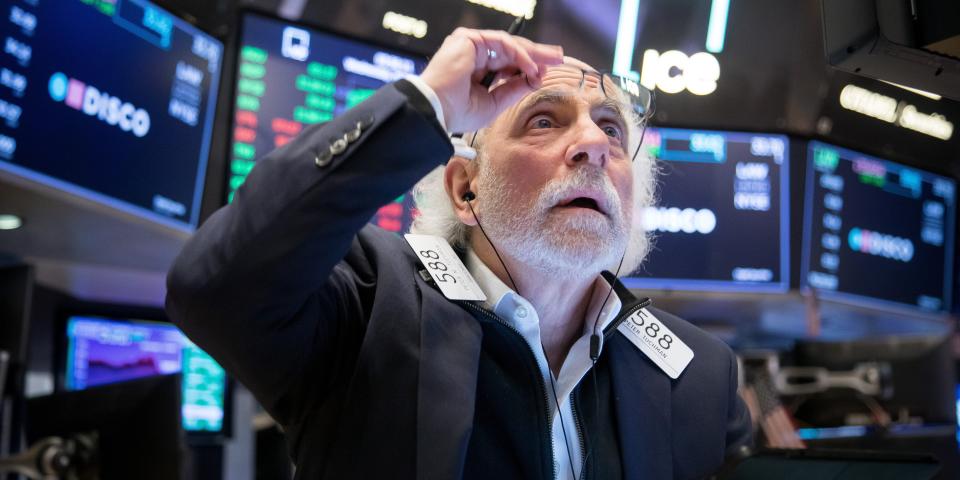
(371, 371)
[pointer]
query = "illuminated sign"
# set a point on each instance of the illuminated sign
(188, 82)
(752, 186)
(385, 67)
(23, 19)
(673, 71)
(698, 73)
(516, 8)
(887, 109)
(16, 82)
(8, 145)
(11, 113)
(406, 25)
(91, 101)
(881, 245)
(19, 50)
(296, 44)
(675, 220)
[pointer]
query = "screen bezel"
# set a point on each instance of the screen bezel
(730, 286)
(133, 314)
(863, 300)
(243, 14)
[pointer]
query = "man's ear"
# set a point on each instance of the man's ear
(458, 179)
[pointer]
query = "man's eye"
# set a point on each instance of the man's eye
(542, 122)
(612, 131)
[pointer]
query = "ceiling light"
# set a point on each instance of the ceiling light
(404, 24)
(514, 8)
(10, 222)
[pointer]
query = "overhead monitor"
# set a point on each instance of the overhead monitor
(722, 219)
(112, 100)
(102, 351)
(877, 232)
(291, 76)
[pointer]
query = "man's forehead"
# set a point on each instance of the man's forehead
(570, 74)
(567, 79)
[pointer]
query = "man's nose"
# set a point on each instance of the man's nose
(590, 144)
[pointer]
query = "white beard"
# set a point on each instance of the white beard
(579, 245)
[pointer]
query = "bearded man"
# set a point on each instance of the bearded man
(377, 366)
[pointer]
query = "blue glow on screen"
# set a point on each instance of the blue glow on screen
(832, 432)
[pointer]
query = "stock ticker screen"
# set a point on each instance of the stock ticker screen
(721, 222)
(290, 77)
(109, 99)
(102, 351)
(877, 231)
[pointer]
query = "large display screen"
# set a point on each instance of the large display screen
(722, 219)
(877, 231)
(109, 99)
(290, 76)
(102, 351)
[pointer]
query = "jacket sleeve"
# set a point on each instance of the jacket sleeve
(264, 286)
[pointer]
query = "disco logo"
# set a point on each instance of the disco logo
(675, 220)
(881, 245)
(91, 101)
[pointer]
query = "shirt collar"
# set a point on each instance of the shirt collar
(505, 302)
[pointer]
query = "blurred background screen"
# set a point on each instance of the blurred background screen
(722, 217)
(110, 100)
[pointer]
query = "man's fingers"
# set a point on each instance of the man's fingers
(542, 53)
(466, 58)
(510, 91)
(512, 51)
(506, 52)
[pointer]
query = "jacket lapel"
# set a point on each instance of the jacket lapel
(641, 393)
(450, 340)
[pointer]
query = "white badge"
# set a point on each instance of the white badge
(450, 274)
(656, 341)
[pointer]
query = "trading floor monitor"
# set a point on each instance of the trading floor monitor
(291, 76)
(721, 222)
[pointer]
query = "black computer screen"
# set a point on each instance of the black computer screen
(721, 221)
(109, 99)
(291, 76)
(877, 231)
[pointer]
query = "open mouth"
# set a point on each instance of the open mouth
(582, 202)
